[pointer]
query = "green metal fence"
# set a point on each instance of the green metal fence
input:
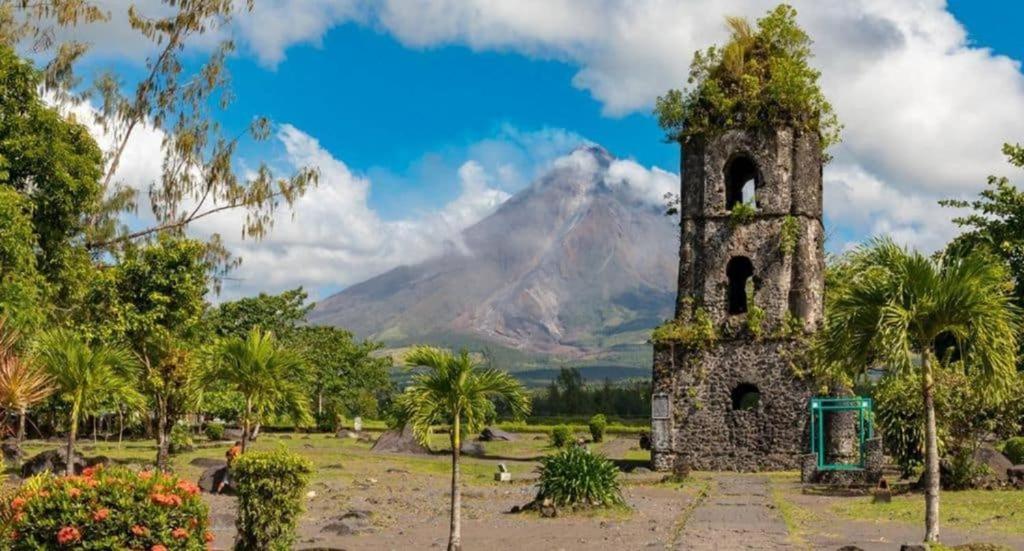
(820, 408)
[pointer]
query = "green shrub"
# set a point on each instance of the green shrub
(561, 436)
(578, 478)
(962, 472)
(181, 438)
(697, 334)
(741, 213)
(270, 487)
(214, 431)
(1014, 450)
(105, 508)
(755, 321)
(597, 426)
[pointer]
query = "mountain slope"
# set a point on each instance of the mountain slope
(570, 266)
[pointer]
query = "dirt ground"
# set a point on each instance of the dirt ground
(362, 500)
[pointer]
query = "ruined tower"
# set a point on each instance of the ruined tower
(728, 389)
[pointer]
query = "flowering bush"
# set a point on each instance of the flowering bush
(102, 508)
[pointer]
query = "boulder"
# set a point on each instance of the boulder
(355, 521)
(211, 479)
(994, 460)
(399, 441)
(492, 434)
(233, 434)
(1015, 474)
(11, 452)
(54, 461)
(472, 449)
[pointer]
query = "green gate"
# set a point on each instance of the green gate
(822, 406)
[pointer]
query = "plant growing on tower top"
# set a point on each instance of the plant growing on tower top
(761, 78)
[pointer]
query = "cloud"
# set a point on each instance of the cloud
(334, 238)
(646, 185)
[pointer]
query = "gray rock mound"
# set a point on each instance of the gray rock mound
(399, 441)
(493, 434)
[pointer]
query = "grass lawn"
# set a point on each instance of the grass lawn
(978, 510)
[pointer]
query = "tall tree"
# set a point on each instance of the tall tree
(21, 285)
(199, 176)
(279, 314)
(898, 305)
(455, 390)
(268, 376)
(86, 377)
(153, 300)
(345, 378)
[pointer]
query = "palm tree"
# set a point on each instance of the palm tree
(22, 385)
(86, 377)
(268, 376)
(455, 391)
(895, 307)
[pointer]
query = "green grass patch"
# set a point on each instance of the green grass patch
(977, 510)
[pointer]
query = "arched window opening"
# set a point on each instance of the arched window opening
(740, 272)
(741, 182)
(745, 397)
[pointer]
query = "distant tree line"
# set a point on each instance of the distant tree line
(569, 394)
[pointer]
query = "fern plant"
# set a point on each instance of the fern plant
(576, 477)
(741, 213)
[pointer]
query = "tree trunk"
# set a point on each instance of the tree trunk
(95, 429)
(455, 531)
(162, 436)
(931, 452)
(72, 433)
(245, 424)
(20, 437)
(120, 426)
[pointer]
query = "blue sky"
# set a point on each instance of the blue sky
(424, 116)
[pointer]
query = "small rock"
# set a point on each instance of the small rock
(311, 494)
(915, 547)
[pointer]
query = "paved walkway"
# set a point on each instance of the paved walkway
(737, 514)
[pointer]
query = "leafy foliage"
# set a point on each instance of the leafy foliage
(270, 488)
(22, 288)
(579, 478)
(22, 384)
(562, 436)
(1014, 450)
(789, 234)
(569, 395)
(267, 375)
(761, 78)
(597, 426)
(86, 377)
(698, 333)
(107, 508)
(214, 431)
(741, 213)
(280, 314)
(180, 438)
(966, 411)
(755, 321)
(898, 305)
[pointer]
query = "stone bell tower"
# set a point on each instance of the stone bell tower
(751, 265)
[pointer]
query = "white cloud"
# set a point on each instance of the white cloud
(334, 237)
(646, 185)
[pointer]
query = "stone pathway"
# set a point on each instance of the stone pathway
(737, 514)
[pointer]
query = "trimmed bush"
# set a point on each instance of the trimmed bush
(561, 436)
(214, 431)
(270, 487)
(181, 438)
(597, 426)
(578, 478)
(1014, 450)
(105, 508)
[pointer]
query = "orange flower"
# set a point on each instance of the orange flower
(89, 471)
(167, 500)
(208, 537)
(193, 522)
(188, 487)
(18, 502)
(179, 533)
(101, 515)
(140, 530)
(145, 475)
(74, 492)
(18, 517)
(68, 534)
(158, 547)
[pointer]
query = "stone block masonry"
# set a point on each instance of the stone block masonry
(752, 263)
